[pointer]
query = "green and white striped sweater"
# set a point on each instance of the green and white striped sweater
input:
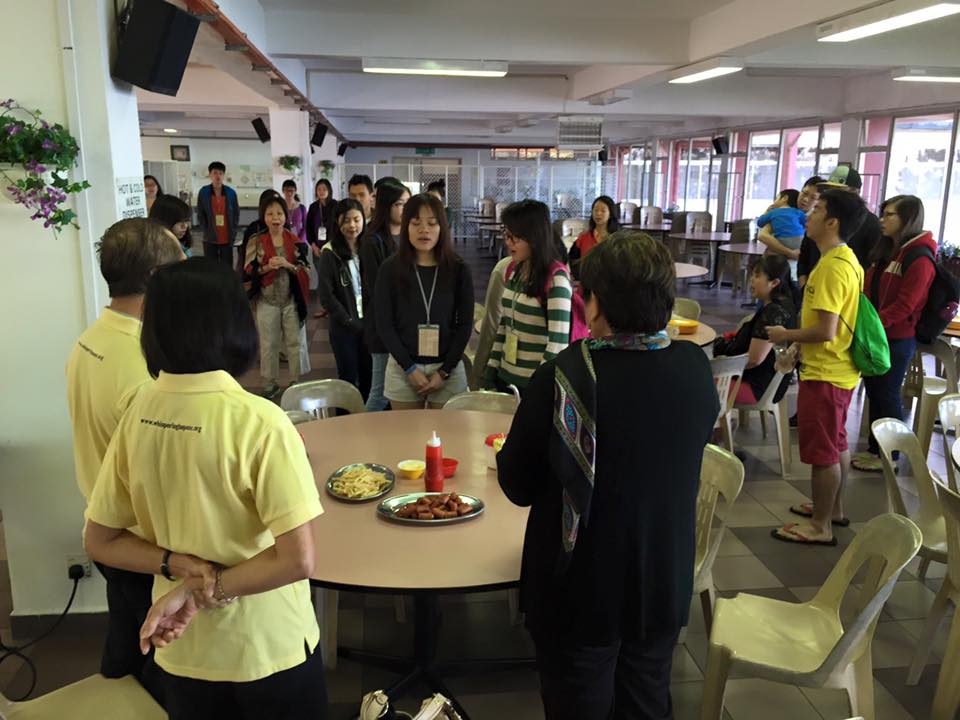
(541, 334)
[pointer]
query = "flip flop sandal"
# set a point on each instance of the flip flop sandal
(791, 536)
(803, 511)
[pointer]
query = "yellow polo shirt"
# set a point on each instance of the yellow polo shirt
(833, 286)
(105, 371)
(204, 467)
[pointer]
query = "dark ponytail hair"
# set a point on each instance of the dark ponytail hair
(338, 243)
(530, 220)
(777, 267)
(387, 194)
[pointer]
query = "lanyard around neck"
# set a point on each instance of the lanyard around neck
(427, 304)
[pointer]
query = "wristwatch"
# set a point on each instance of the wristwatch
(443, 374)
(165, 566)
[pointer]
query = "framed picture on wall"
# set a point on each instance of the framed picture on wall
(180, 153)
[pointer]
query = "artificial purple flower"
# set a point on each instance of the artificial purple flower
(13, 129)
(49, 145)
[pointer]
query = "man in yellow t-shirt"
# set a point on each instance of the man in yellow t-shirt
(105, 371)
(831, 300)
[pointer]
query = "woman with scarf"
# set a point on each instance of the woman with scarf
(621, 419)
(276, 263)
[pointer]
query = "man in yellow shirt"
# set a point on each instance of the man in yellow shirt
(105, 371)
(831, 300)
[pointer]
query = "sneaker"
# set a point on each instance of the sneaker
(866, 462)
(270, 391)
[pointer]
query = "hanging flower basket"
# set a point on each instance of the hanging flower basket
(35, 160)
(290, 163)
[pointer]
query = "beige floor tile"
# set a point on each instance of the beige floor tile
(730, 546)
(778, 492)
(832, 703)
(934, 570)
(687, 697)
(742, 573)
(915, 629)
(910, 600)
(747, 512)
(685, 667)
(753, 699)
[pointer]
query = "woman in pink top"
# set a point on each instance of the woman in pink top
(296, 213)
(603, 222)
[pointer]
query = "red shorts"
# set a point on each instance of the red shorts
(822, 422)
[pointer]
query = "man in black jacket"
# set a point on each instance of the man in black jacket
(861, 242)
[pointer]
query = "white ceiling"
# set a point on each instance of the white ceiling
(560, 53)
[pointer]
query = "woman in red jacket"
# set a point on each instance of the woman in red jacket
(603, 223)
(899, 294)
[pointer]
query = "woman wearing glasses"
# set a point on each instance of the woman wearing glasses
(341, 293)
(536, 303)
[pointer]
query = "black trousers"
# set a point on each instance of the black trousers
(625, 680)
(128, 602)
(220, 253)
(299, 693)
(354, 363)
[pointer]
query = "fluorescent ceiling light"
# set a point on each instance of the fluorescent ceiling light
(886, 17)
(930, 75)
(450, 68)
(706, 70)
(172, 131)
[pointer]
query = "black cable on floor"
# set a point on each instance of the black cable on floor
(8, 652)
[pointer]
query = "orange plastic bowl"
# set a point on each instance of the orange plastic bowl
(450, 467)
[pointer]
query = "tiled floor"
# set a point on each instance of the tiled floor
(478, 626)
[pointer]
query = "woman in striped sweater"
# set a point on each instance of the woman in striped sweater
(536, 304)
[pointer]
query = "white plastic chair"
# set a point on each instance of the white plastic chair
(686, 308)
(319, 397)
(92, 698)
(805, 643)
(949, 409)
(948, 686)
(628, 211)
(894, 436)
(946, 698)
(572, 227)
(781, 419)
(651, 215)
(721, 475)
(933, 389)
(727, 375)
(298, 417)
(484, 401)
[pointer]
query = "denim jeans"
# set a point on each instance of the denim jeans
(377, 402)
(884, 391)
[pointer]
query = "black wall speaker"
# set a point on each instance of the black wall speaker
(319, 133)
(721, 145)
(602, 155)
(261, 127)
(342, 150)
(155, 46)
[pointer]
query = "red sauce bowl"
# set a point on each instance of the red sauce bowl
(450, 467)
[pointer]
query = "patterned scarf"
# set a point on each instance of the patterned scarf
(573, 444)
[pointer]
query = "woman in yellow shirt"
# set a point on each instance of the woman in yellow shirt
(197, 462)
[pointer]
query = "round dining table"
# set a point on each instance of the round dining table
(686, 270)
(713, 239)
(358, 550)
(704, 335)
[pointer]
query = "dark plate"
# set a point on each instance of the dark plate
(388, 509)
(366, 498)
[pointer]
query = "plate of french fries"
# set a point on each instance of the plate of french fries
(360, 482)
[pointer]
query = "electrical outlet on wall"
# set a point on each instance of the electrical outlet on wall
(81, 560)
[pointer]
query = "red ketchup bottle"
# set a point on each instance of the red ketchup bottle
(433, 478)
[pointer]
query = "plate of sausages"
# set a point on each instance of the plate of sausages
(430, 508)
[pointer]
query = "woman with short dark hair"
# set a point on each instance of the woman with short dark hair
(341, 292)
(276, 265)
(621, 420)
(603, 223)
(897, 284)
(296, 212)
(537, 300)
(152, 190)
(424, 306)
(201, 466)
(175, 215)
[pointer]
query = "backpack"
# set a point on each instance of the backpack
(578, 314)
(942, 299)
(869, 347)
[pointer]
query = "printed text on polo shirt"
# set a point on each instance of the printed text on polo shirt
(170, 426)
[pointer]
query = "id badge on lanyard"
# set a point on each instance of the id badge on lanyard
(360, 306)
(321, 235)
(428, 333)
(220, 221)
(510, 346)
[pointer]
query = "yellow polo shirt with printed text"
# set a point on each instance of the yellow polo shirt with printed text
(105, 371)
(204, 467)
(834, 286)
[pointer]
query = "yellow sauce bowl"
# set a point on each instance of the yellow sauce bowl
(411, 469)
(685, 326)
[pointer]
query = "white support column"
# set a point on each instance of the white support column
(290, 135)
(849, 140)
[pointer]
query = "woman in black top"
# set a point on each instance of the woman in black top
(341, 292)
(321, 225)
(378, 243)
(606, 449)
(424, 306)
(771, 284)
